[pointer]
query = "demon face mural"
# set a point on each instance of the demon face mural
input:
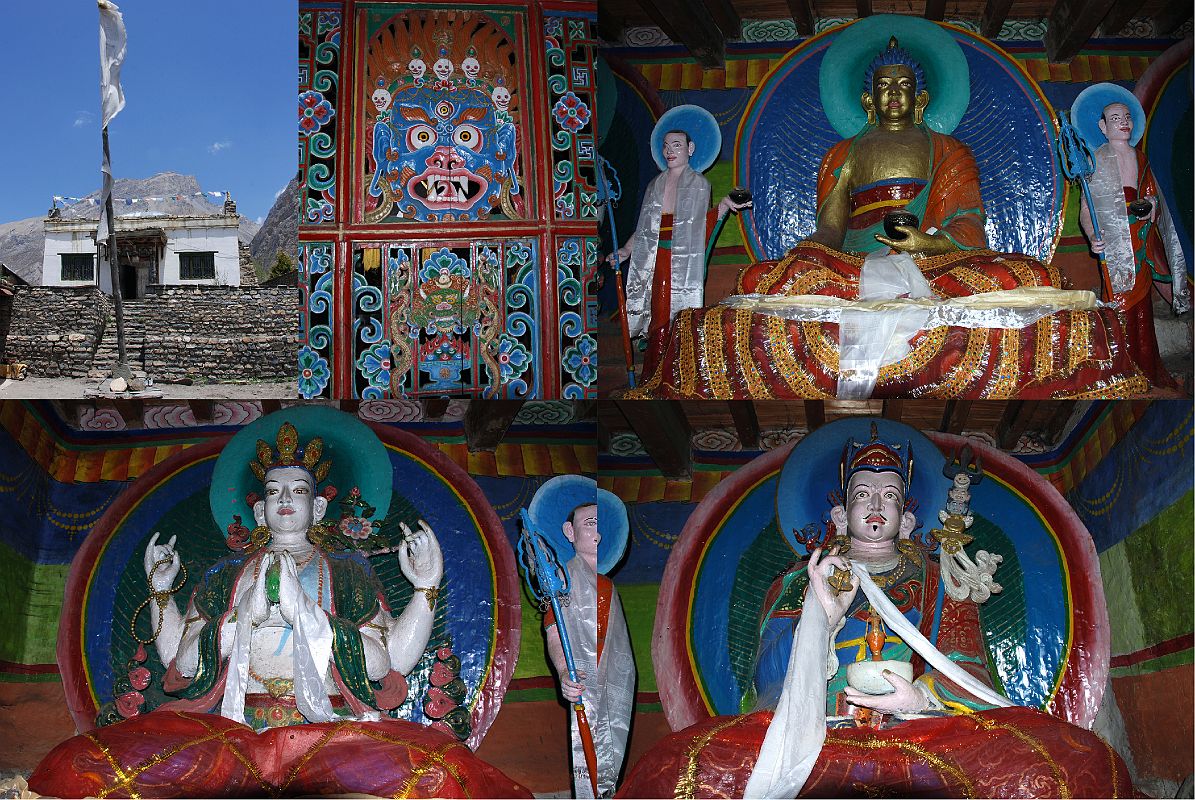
(444, 141)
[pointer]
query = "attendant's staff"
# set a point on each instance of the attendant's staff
(549, 585)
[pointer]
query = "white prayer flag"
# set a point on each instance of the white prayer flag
(112, 50)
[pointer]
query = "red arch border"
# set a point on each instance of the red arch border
(1076, 698)
(505, 633)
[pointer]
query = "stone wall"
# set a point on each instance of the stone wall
(55, 330)
(206, 334)
(221, 333)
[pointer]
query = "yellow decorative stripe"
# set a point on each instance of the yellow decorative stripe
(116, 461)
(688, 376)
(742, 351)
(1133, 386)
(1043, 361)
(747, 73)
(779, 347)
(923, 352)
(715, 359)
(122, 779)
(1008, 369)
(880, 204)
(1112, 768)
(654, 488)
(1079, 348)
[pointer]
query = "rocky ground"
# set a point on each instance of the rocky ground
(78, 388)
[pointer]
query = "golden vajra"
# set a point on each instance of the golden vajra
(954, 536)
(839, 580)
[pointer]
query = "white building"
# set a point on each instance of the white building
(151, 250)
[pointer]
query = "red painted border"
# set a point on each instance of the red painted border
(13, 668)
(505, 576)
(1078, 696)
(1149, 86)
(1168, 647)
(70, 625)
(675, 677)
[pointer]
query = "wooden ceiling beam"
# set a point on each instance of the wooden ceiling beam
(69, 411)
(691, 25)
(1071, 24)
(1012, 424)
(726, 17)
(486, 422)
(434, 407)
(1056, 423)
(893, 410)
(815, 414)
(954, 416)
(746, 423)
(664, 433)
(992, 19)
(803, 16)
(201, 410)
(610, 26)
(131, 411)
(863, 8)
(1119, 16)
(935, 10)
(1170, 16)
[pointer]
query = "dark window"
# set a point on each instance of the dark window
(78, 267)
(197, 266)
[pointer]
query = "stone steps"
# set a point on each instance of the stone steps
(134, 338)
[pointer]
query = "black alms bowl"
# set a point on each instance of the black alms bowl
(739, 195)
(894, 218)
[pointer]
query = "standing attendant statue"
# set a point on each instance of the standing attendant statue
(569, 510)
(667, 251)
(1137, 236)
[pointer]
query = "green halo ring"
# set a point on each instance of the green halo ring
(358, 459)
(947, 77)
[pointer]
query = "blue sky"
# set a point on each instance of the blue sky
(209, 91)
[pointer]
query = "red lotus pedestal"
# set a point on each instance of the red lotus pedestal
(179, 754)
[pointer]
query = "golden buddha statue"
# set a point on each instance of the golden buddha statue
(794, 327)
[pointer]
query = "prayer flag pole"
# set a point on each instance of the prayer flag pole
(113, 40)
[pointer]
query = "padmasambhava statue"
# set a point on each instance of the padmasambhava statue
(871, 673)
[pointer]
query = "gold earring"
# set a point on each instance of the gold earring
(259, 537)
